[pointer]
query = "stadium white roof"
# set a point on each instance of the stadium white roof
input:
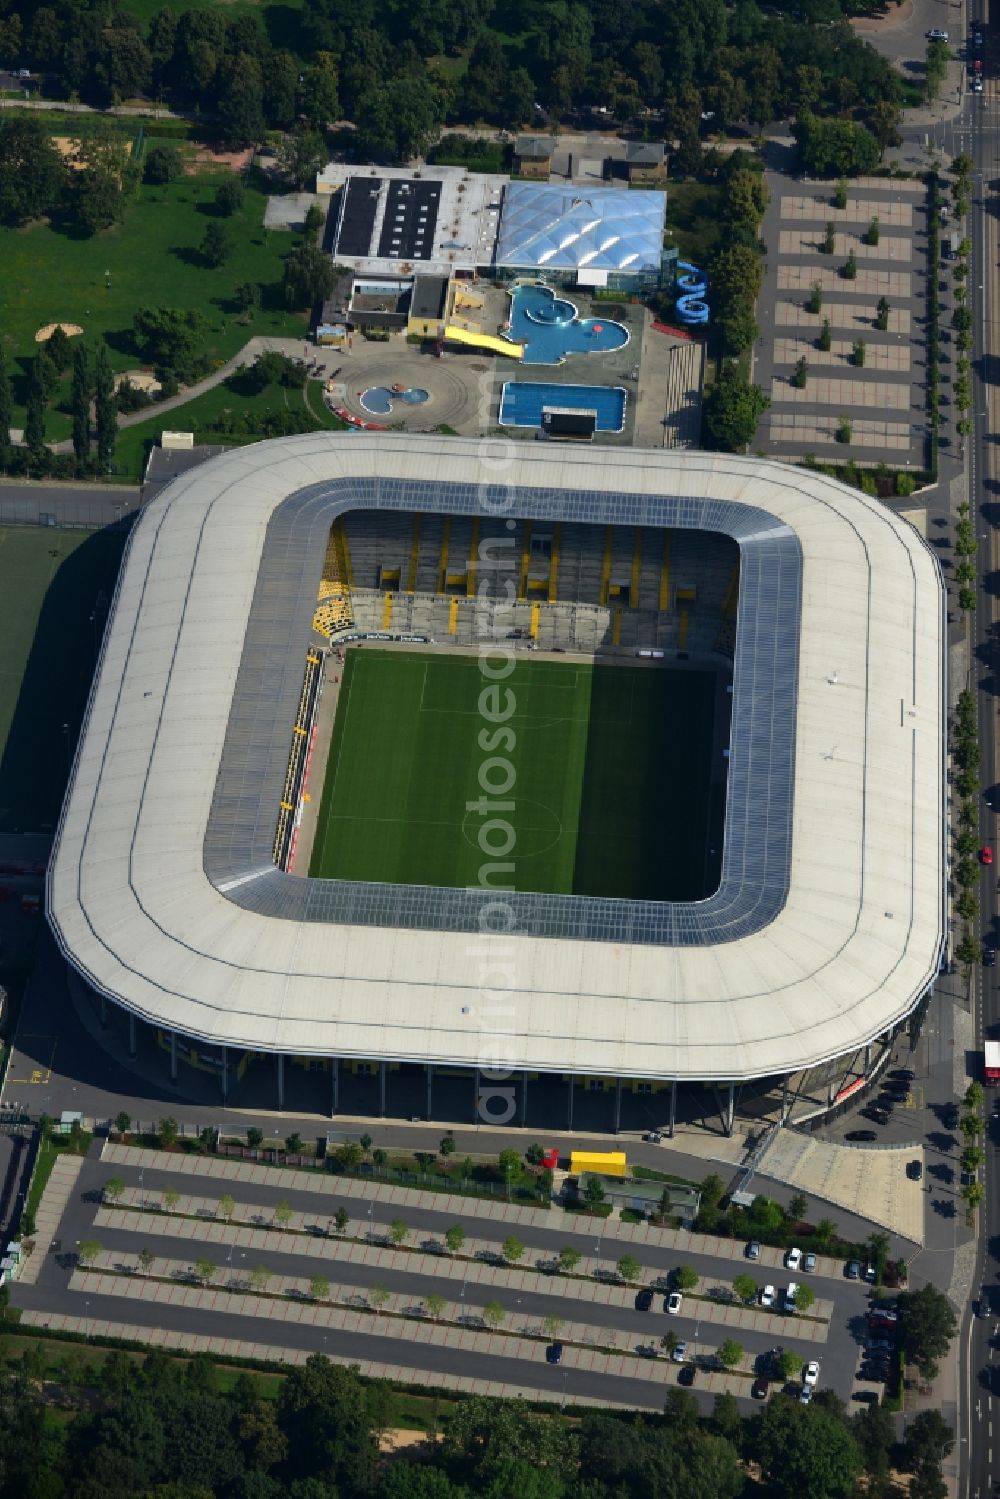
(850, 885)
(558, 226)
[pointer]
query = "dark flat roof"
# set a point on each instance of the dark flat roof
(534, 147)
(411, 210)
(430, 294)
(644, 153)
(357, 216)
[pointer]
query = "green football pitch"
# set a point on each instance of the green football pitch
(610, 769)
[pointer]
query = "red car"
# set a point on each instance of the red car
(986, 854)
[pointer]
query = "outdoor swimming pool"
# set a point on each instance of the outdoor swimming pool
(521, 404)
(550, 328)
(379, 399)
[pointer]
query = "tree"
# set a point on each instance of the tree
(168, 1130)
(873, 234)
(882, 314)
(89, 1250)
(628, 1268)
(739, 330)
(843, 430)
(732, 410)
(797, 1207)
(840, 196)
(398, 1231)
(318, 100)
(858, 353)
(104, 176)
(730, 1353)
(173, 338)
(123, 1121)
(6, 410)
(849, 270)
(341, 1219)
(301, 155)
(829, 241)
(205, 1269)
(240, 111)
(513, 1250)
(593, 1191)
(788, 1364)
(878, 1250)
(260, 1276)
(569, 1258)
(805, 1296)
(378, 1295)
(926, 1325)
(59, 349)
(293, 1144)
(686, 1277)
(928, 1438)
(319, 1288)
(668, 1342)
(446, 1145)
(229, 197)
(80, 400)
(745, 1287)
(34, 423)
(308, 278)
(806, 1450)
(552, 1326)
(32, 172)
(171, 1197)
(825, 1230)
(974, 1096)
(216, 246)
(145, 1260)
(835, 146)
(493, 1315)
(163, 164)
(113, 1189)
(255, 1137)
(434, 1305)
(106, 422)
(972, 1127)
(801, 373)
(455, 1238)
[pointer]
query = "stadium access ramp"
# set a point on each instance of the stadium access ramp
(479, 340)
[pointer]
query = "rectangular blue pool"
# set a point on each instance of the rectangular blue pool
(521, 404)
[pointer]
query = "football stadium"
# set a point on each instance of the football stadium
(471, 778)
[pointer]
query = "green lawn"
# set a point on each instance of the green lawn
(50, 581)
(204, 415)
(150, 259)
(612, 776)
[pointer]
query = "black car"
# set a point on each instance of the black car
(687, 1375)
(643, 1301)
(554, 1353)
(876, 1115)
(989, 955)
(866, 1397)
(949, 1116)
(861, 1134)
(760, 1389)
(902, 1074)
(877, 1375)
(915, 1170)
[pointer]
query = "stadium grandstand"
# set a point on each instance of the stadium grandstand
(724, 685)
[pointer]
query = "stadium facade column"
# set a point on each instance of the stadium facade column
(224, 1073)
(524, 1099)
(381, 1090)
(673, 1106)
(730, 1109)
(618, 1104)
(334, 1085)
(430, 1089)
(132, 1048)
(569, 1079)
(784, 1098)
(173, 1056)
(868, 1059)
(281, 1081)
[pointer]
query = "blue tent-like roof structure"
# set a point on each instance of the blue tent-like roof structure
(559, 226)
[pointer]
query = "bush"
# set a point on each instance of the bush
(163, 164)
(229, 197)
(825, 339)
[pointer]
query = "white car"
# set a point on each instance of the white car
(937, 35)
(806, 1394)
(768, 1296)
(810, 1374)
(680, 1353)
(793, 1259)
(674, 1303)
(977, 84)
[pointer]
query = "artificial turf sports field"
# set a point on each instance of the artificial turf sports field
(612, 776)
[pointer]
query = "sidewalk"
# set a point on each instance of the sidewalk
(58, 1190)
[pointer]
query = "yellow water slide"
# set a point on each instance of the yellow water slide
(479, 340)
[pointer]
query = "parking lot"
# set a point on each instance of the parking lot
(223, 1254)
(873, 411)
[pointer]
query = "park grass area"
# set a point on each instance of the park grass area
(151, 259)
(611, 766)
(51, 582)
(211, 417)
(694, 219)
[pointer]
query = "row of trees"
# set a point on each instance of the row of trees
(379, 65)
(166, 1427)
(92, 391)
